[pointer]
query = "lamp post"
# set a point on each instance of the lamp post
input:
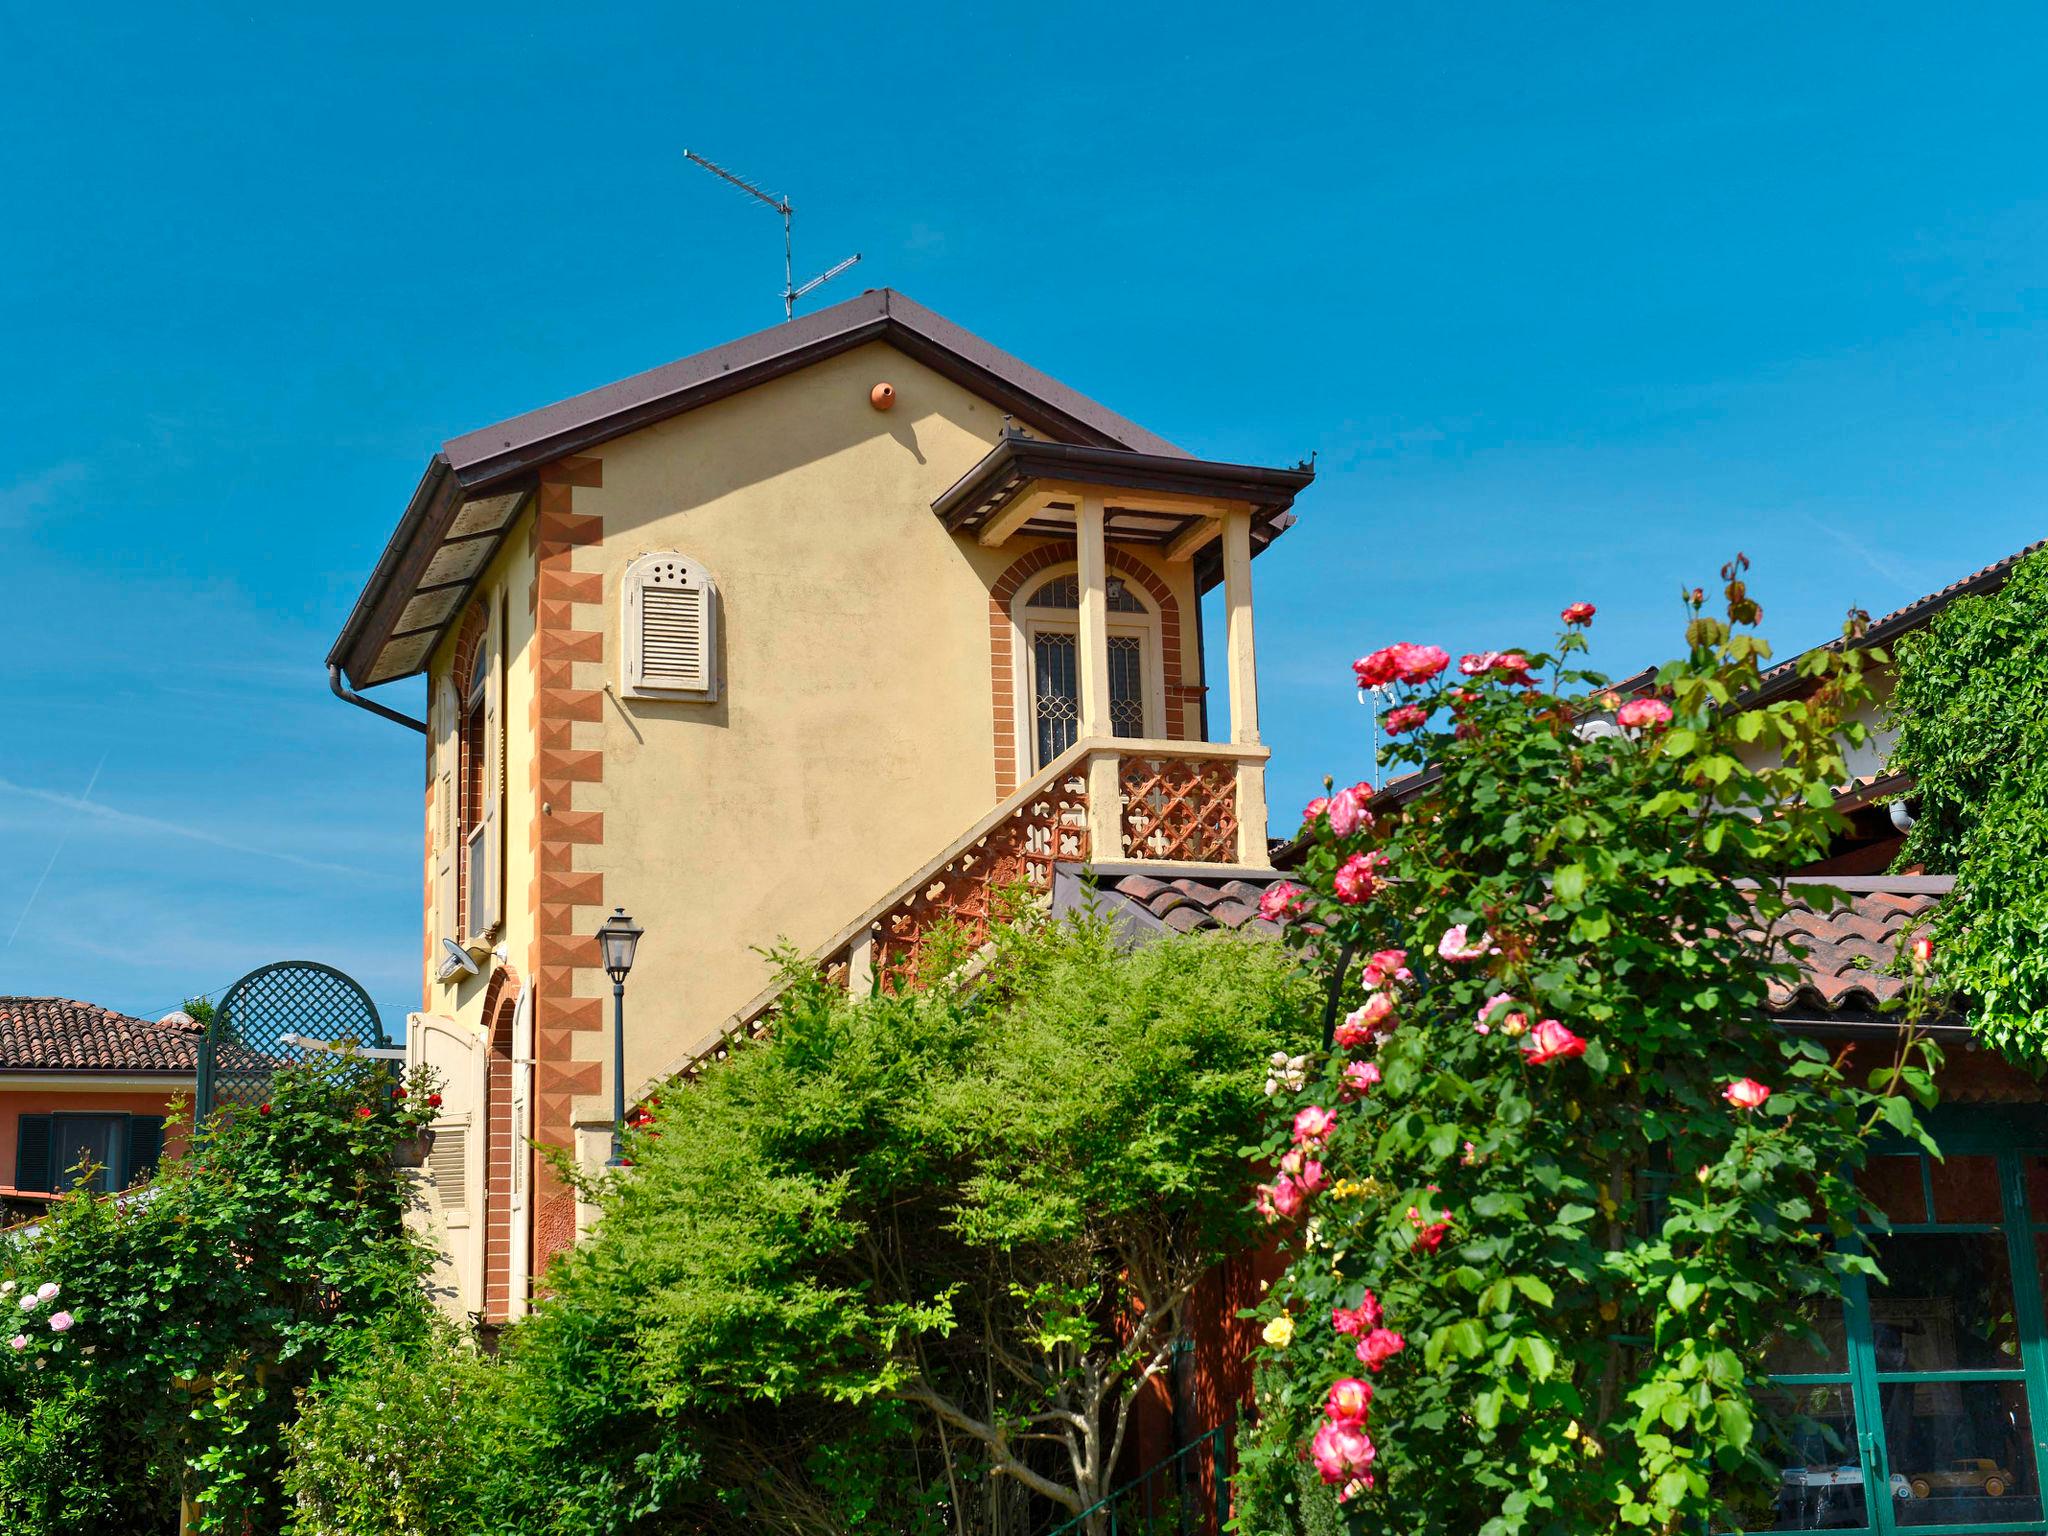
(616, 939)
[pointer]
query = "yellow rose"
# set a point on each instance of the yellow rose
(1279, 1332)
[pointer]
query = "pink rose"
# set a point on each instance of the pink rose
(1349, 1402)
(1360, 1078)
(1405, 718)
(1644, 714)
(1342, 1452)
(1431, 1237)
(1484, 1022)
(1746, 1093)
(60, 1322)
(1551, 1041)
(1515, 1025)
(18, 1343)
(1378, 669)
(1578, 613)
(1313, 1123)
(1280, 902)
(1348, 813)
(1282, 1198)
(1457, 947)
(1386, 965)
(1358, 878)
(1359, 1320)
(1513, 663)
(1363, 1022)
(1419, 663)
(1380, 1346)
(1313, 1177)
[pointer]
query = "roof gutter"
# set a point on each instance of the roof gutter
(349, 696)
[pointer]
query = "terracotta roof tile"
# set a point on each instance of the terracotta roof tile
(1847, 952)
(61, 1034)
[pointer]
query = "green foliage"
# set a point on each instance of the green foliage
(180, 1320)
(1971, 710)
(1587, 1256)
(868, 1273)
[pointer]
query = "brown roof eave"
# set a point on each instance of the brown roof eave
(435, 489)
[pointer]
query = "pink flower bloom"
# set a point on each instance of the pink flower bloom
(1386, 965)
(1431, 1237)
(60, 1322)
(1358, 878)
(1406, 718)
(1362, 1023)
(1513, 663)
(1313, 1123)
(1360, 1320)
(1348, 813)
(1578, 613)
(1551, 1041)
(1312, 1177)
(1280, 902)
(1419, 663)
(1484, 1020)
(1746, 1093)
(1380, 1346)
(1457, 947)
(1360, 1077)
(1283, 1198)
(18, 1343)
(1349, 1402)
(1378, 669)
(1315, 808)
(1342, 1452)
(1644, 714)
(1515, 1025)
(47, 1291)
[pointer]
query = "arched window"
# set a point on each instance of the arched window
(1049, 664)
(469, 814)
(669, 617)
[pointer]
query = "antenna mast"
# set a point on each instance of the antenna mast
(791, 292)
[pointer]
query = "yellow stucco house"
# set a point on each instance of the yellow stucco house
(820, 635)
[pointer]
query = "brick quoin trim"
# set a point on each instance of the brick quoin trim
(1002, 657)
(568, 627)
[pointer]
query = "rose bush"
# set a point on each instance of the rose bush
(181, 1319)
(1556, 1184)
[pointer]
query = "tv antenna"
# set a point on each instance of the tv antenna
(791, 292)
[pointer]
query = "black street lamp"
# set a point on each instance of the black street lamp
(617, 939)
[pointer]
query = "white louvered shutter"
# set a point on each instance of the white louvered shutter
(490, 885)
(447, 836)
(671, 629)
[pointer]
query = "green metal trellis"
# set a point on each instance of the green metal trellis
(271, 1018)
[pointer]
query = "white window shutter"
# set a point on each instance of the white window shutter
(670, 621)
(490, 887)
(447, 837)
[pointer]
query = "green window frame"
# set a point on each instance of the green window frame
(2010, 1138)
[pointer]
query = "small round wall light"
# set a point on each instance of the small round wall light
(882, 396)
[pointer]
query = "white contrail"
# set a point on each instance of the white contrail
(108, 814)
(54, 853)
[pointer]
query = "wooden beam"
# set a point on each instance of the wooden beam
(1198, 535)
(1031, 502)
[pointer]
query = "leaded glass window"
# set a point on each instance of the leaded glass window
(1065, 592)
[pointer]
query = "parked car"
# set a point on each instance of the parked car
(1969, 1475)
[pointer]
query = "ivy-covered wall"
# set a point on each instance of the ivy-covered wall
(1971, 711)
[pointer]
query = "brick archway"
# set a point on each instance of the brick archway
(501, 1144)
(1002, 651)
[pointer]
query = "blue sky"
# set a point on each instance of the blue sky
(1573, 302)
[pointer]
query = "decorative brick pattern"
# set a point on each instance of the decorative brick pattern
(1002, 653)
(1179, 808)
(501, 1146)
(565, 899)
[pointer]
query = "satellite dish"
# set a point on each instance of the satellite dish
(459, 955)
